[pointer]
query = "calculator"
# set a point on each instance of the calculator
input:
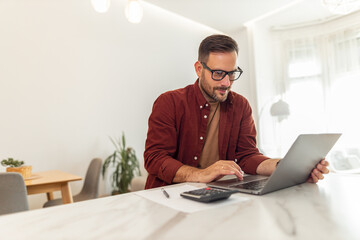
(208, 194)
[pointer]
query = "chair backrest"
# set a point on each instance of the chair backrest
(90, 188)
(13, 194)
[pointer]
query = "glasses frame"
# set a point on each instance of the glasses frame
(226, 73)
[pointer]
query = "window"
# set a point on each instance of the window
(322, 88)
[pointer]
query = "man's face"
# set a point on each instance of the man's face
(217, 90)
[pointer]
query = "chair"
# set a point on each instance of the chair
(90, 189)
(138, 183)
(13, 194)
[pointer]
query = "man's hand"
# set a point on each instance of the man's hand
(209, 174)
(318, 171)
(218, 170)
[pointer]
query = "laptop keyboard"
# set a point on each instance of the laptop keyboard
(255, 185)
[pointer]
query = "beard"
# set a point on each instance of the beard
(210, 92)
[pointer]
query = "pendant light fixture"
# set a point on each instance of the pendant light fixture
(101, 6)
(134, 11)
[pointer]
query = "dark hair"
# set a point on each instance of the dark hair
(216, 43)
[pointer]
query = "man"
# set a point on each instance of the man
(204, 131)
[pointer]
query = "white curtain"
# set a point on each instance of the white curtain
(319, 71)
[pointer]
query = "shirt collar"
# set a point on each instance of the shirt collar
(198, 94)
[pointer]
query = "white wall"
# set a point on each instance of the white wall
(266, 85)
(71, 77)
(256, 58)
(246, 85)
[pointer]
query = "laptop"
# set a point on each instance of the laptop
(293, 169)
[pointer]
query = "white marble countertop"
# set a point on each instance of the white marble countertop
(327, 210)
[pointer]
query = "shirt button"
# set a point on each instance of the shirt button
(205, 116)
(235, 160)
(206, 105)
(201, 138)
(195, 158)
(200, 106)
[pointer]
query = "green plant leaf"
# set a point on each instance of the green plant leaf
(123, 140)
(10, 162)
(126, 165)
(106, 164)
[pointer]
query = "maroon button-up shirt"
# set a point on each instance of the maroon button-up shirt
(180, 117)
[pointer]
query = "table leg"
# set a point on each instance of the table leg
(50, 196)
(66, 193)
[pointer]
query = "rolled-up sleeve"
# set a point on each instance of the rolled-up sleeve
(161, 142)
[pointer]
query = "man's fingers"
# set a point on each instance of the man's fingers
(324, 162)
(230, 170)
(314, 178)
(322, 168)
(230, 163)
(318, 174)
(239, 175)
(220, 169)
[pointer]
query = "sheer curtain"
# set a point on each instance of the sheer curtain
(343, 87)
(320, 71)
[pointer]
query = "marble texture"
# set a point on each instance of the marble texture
(327, 210)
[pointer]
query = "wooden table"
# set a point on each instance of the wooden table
(50, 181)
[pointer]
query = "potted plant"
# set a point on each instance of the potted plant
(126, 166)
(17, 166)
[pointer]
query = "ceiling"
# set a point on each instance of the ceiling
(229, 16)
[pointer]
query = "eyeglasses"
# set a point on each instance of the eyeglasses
(219, 75)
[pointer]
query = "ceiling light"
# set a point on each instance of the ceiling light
(134, 11)
(341, 6)
(101, 6)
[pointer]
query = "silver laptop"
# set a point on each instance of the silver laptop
(293, 169)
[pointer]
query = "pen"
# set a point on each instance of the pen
(165, 193)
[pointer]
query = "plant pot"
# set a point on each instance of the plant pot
(25, 171)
